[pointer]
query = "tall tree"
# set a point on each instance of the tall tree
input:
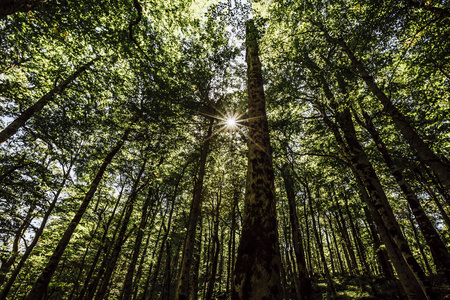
(258, 263)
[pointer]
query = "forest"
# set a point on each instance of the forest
(224, 149)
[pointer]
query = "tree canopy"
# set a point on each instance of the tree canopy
(159, 150)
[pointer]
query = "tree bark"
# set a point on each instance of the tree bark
(440, 168)
(258, 264)
(305, 281)
(414, 282)
(441, 256)
(20, 121)
(128, 282)
(182, 292)
(121, 238)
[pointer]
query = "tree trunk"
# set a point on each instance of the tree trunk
(257, 270)
(215, 250)
(441, 256)
(103, 246)
(15, 125)
(331, 287)
(37, 235)
(121, 238)
(182, 292)
(413, 283)
(439, 167)
(40, 286)
(382, 256)
(128, 282)
(305, 281)
(341, 265)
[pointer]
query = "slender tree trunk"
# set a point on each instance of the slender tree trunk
(103, 246)
(40, 286)
(257, 270)
(215, 250)
(342, 225)
(15, 125)
(356, 236)
(129, 206)
(441, 256)
(331, 287)
(195, 269)
(308, 241)
(414, 288)
(6, 264)
(440, 168)
(419, 245)
(76, 284)
(338, 255)
(182, 292)
(305, 281)
(443, 213)
(37, 235)
(128, 282)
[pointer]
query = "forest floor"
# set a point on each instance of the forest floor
(362, 287)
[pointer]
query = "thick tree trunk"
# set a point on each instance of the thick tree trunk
(305, 281)
(258, 264)
(383, 260)
(40, 286)
(15, 125)
(182, 292)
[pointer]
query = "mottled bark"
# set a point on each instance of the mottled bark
(305, 281)
(258, 264)
(182, 292)
(40, 286)
(20, 121)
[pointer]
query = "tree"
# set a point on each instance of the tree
(258, 264)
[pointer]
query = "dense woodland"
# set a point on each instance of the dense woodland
(224, 150)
